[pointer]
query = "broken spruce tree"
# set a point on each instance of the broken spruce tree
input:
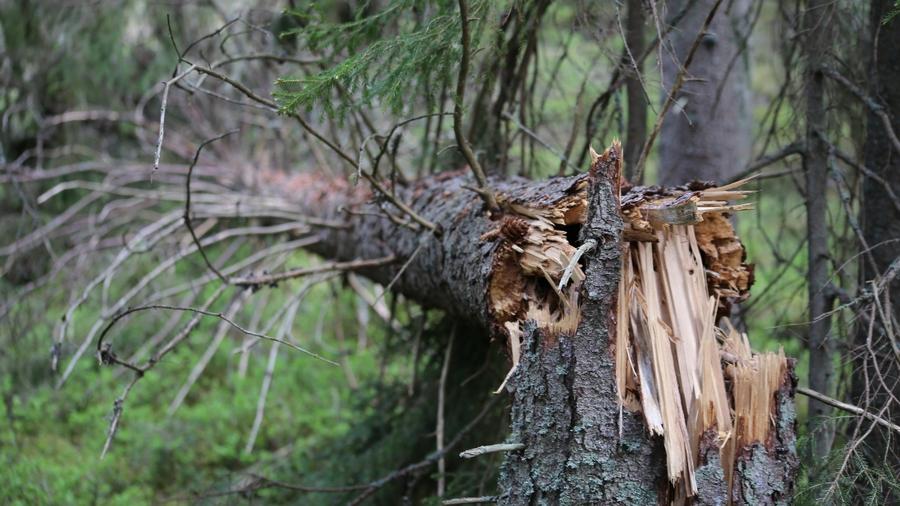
(628, 385)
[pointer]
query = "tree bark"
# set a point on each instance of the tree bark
(709, 136)
(451, 271)
(821, 347)
(580, 445)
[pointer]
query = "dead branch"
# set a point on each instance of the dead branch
(486, 193)
(267, 378)
(439, 432)
(794, 148)
(472, 500)
(871, 103)
(373, 487)
(850, 408)
(563, 159)
(266, 57)
(618, 77)
(200, 366)
(119, 403)
(187, 203)
(344, 156)
(672, 95)
(106, 357)
(269, 279)
(482, 450)
(162, 113)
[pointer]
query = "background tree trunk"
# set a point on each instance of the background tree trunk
(881, 230)
(636, 131)
(707, 134)
(817, 19)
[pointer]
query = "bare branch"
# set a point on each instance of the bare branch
(486, 193)
(269, 279)
(207, 356)
(850, 408)
(187, 204)
(472, 500)
(676, 87)
(871, 103)
(618, 77)
(436, 229)
(266, 57)
(267, 378)
(162, 113)
(373, 487)
(482, 450)
(794, 148)
(107, 358)
(439, 432)
(563, 160)
(108, 355)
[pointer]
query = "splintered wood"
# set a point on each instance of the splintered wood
(681, 268)
(530, 261)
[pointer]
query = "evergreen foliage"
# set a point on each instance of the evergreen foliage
(422, 52)
(892, 13)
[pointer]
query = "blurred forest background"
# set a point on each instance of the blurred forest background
(226, 418)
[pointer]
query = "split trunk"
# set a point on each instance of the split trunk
(603, 417)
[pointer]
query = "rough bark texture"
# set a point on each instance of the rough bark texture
(566, 409)
(709, 137)
(712, 488)
(881, 223)
(821, 347)
(450, 272)
(564, 460)
(581, 447)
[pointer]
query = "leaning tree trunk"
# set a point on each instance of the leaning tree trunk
(582, 442)
(462, 269)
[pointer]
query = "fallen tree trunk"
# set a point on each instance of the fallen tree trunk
(452, 270)
(624, 389)
(619, 392)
